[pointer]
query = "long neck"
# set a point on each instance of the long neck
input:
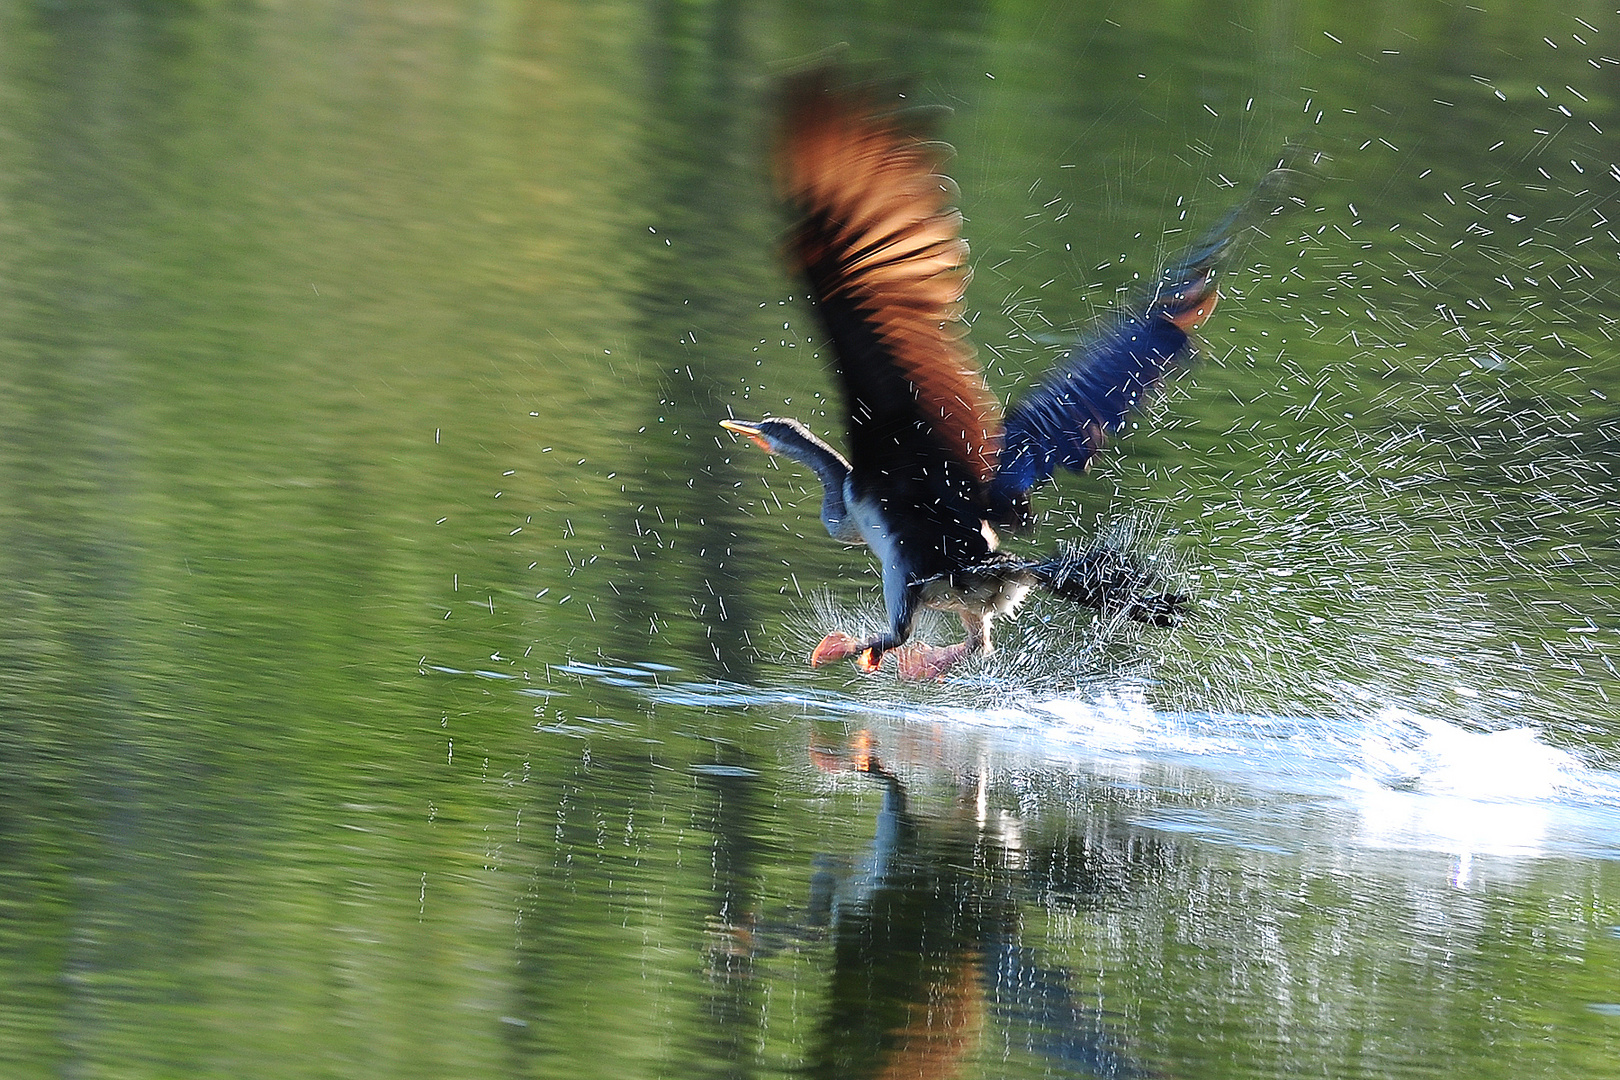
(832, 470)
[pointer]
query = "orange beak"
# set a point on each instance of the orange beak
(749, 431)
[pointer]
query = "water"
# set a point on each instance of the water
(403, 674)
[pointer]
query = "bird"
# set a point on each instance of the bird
(936, 471)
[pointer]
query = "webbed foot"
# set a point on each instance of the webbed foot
(835, 646)
(839, 646)
(918, 661)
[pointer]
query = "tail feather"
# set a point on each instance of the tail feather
(1110, 578)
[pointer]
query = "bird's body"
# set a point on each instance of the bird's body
(934, 471)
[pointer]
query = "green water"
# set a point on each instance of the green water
(402, 674)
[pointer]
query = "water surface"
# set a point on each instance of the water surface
(403, 674)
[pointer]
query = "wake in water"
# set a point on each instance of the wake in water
(1414, 782)
(1386, 778)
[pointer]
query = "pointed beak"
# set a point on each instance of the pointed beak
(749, 431)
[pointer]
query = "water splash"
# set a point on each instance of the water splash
(1391, 778)
(1408, 781)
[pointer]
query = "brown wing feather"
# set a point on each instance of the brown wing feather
(882, 246)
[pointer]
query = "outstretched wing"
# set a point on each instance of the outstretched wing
(881, 246)
(1093, 389)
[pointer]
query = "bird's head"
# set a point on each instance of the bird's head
(754, 433)
(780, 435)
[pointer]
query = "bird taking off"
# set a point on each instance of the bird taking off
(934, 468)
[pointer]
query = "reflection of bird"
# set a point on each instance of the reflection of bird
(933, 467)
(927, 950)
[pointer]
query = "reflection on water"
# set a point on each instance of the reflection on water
(359, 370)
(1410, 782)
(1056, 887)
(925, 945)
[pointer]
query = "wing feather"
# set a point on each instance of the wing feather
(881, 244)
(1095, 387)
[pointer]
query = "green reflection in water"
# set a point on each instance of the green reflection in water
(340, 345)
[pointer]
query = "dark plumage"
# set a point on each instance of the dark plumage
(933, 468)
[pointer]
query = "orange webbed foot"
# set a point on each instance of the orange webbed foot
(868, 661)
(919, 662)
(835, 646)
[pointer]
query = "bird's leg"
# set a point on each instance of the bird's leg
(900, 596)
(918, 661)
(837, 646)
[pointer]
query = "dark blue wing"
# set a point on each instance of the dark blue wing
(1094, 388)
